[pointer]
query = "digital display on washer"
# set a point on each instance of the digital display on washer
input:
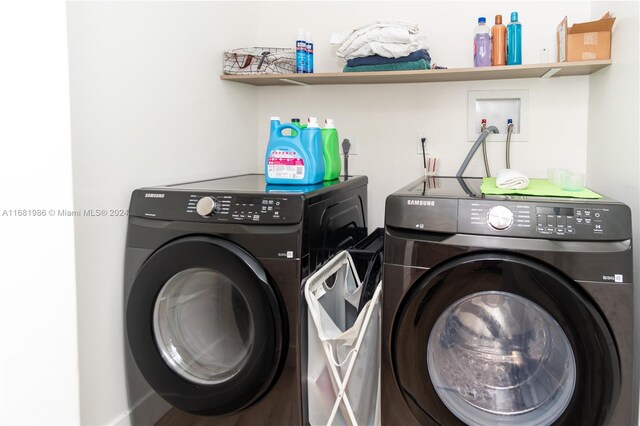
(558, 211)
(248, 200)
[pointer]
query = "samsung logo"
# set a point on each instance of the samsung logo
(153, 195)
(426, 203)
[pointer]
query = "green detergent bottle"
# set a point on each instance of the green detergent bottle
(296, 122)
(330, 150)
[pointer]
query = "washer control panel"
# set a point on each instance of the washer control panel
(218, 207)
(518, 218)
(483, 216)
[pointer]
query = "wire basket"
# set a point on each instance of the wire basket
(260, 60)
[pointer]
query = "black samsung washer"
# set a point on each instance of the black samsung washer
(509, 310)
(212, 292)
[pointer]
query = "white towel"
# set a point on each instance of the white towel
(387, 50)
(379, 35)
(511, 179)
(340, 38)
(391, 39)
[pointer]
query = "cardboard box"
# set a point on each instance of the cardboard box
(585, 42)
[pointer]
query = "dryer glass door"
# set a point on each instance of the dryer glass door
(203, 326)
(206, 326)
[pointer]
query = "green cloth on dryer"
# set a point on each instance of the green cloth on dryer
(398, 66)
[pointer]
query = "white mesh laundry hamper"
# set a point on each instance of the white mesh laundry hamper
(343, 374)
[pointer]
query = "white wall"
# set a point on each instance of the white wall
(147, 108)
(386, 119)
(613, 149)
(38, 340)
(447, 25)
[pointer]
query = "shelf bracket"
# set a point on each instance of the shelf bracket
(299, 83)
(550, 73)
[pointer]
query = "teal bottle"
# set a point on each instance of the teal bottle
(294, 160)
(514, 41)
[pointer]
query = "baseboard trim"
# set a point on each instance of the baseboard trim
(147, 411)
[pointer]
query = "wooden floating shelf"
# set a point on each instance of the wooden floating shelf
(558, 69)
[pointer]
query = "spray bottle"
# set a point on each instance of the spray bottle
(301, 53)
(309, 58)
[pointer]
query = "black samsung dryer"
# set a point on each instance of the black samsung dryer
(505, 310)
(213, 271)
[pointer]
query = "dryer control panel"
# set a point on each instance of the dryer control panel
(239, 208)
(217, 207)
(579, 221)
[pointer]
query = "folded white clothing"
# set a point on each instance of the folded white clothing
(339, 38)
(511, 179)
(381, 35)
(387, 50)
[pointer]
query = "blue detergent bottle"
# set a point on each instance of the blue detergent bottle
(294, 160)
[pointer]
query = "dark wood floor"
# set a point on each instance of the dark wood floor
(177, 417)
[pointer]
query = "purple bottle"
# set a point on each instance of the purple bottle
(482, 44)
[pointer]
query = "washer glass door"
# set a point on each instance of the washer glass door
(495, 357)
(497, 338)
(203, 326)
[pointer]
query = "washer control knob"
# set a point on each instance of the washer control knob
(206, 206)
(500, 218)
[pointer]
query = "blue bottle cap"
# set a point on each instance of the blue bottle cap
(482, 19)
(514, 16)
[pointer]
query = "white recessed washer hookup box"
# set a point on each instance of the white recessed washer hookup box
(497, 107)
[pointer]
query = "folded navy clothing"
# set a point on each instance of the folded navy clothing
(397, 66)
(379, 60)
